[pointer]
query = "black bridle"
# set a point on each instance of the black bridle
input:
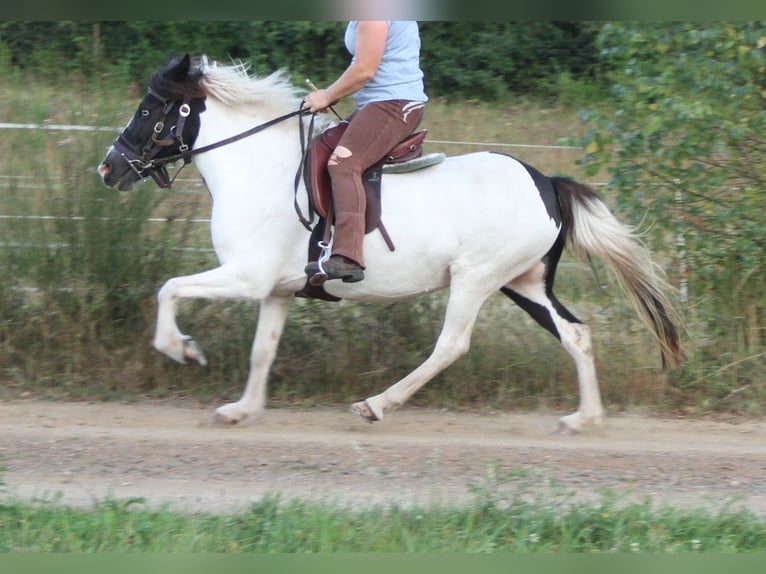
(144, 162)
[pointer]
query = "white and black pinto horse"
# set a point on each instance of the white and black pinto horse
(475, 223)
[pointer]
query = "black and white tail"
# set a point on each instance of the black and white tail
(590, 228)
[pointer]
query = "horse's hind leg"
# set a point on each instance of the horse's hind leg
(533, 292)
(465, 301)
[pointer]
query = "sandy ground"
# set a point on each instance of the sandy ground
(81, 453)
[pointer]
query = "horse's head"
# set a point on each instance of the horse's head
(163, 128)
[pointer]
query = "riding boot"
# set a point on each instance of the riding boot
(339, 267)
(348, 238)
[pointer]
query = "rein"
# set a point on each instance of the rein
(142, 161)
(254, 130)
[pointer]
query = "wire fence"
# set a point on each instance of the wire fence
(183, 186)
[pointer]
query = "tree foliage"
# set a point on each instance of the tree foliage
(685, 145)
(482, 60)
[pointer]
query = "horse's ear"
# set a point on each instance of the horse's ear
(180, 71)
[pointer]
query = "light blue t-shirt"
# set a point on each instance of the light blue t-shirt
(399, 76)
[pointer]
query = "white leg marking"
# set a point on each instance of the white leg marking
(576, 339)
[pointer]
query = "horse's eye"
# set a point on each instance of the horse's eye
(145, 113)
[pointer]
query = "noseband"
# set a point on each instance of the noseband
(144, 162)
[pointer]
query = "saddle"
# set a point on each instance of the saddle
(405, 156)
(317, 176)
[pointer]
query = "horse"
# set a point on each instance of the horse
(474, 224)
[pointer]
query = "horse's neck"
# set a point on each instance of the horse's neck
(261, 166)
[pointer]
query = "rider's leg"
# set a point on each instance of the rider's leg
(372, 132)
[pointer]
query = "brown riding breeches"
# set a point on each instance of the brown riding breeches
(371, 133)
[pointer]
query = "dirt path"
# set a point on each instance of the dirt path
(79, 453)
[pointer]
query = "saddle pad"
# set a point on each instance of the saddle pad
(414, 164)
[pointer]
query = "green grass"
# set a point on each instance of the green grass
(296, 526)
(503, 517)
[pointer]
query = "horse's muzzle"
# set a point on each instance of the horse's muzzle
(113, 173)
(104, 170)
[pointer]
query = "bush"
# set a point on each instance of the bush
(684, 147)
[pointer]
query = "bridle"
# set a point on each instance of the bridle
(144, 161)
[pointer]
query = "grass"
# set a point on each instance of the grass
(508, 514)
(297, 526)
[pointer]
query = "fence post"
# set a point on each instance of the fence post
(96, 35)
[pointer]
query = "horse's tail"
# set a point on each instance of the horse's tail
(590, 228)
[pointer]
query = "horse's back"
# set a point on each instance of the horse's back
(481, 181)
(479, 212)
(487, 194)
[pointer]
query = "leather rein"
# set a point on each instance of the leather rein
(144, 160)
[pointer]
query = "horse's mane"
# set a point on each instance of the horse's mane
(234, 86)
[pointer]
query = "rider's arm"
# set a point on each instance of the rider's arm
(370, 44)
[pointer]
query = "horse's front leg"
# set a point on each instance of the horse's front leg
(220, 283)
(271, 320)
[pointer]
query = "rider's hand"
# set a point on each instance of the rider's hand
(318, 101)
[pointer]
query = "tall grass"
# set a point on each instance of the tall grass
(82, 268)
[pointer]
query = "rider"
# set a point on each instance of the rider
(387, 83)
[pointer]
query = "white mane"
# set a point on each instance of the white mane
(234, 86)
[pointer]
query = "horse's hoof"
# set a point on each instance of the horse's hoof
(192, 354)
(564, 429)
(363, 410)
(576, 424)
(220, 419)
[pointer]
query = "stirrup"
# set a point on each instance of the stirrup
(318, 274)
(315, 269)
